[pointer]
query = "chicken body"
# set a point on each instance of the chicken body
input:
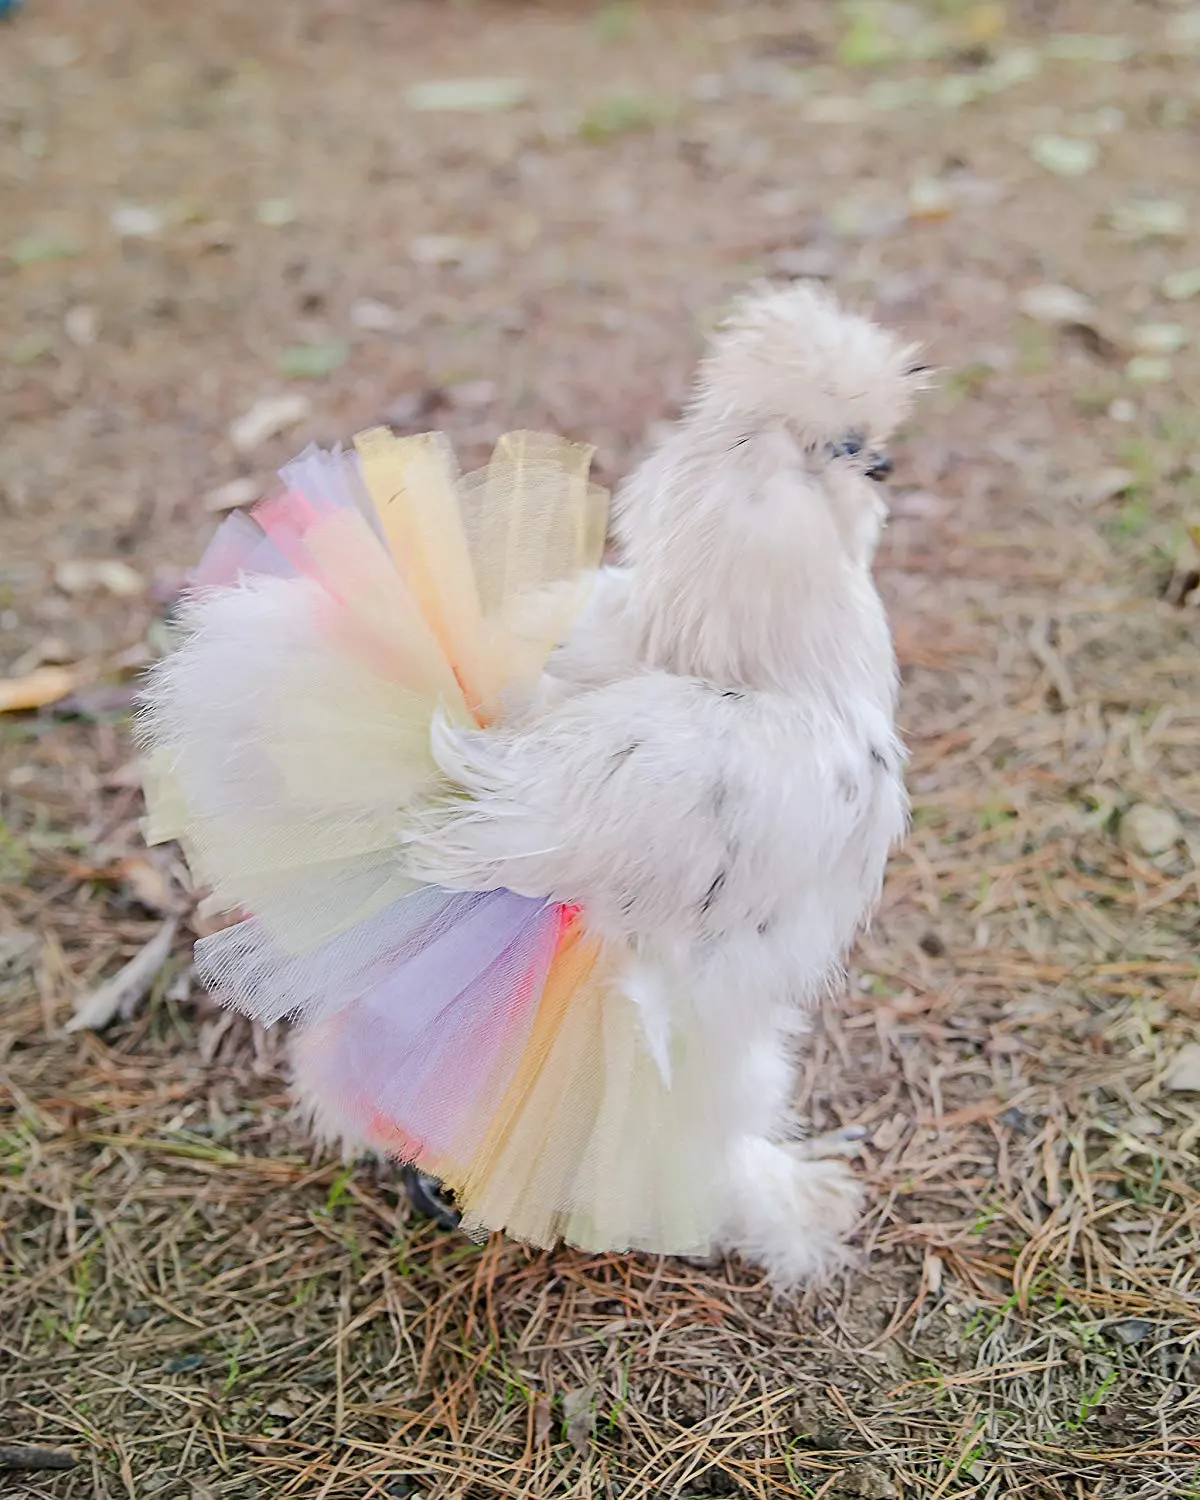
(712, 770)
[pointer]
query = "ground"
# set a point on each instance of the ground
(203, 206)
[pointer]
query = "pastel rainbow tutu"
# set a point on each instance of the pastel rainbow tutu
(481, 1036)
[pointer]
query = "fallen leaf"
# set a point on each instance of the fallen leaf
(55, 51)
(81, 326)
(17, 950)
(374, 317)
(836, 109)
(613, 23)
(895, 93)
(1148, 369)
(35, 248)
(1183, 31)
(956, 90)
(1150, 218)
(476, 95)
(267, 419)
(134, 222)
(82, 575)
(312, 361)
(1107, 120)
(31, 348)
(147, 884)
(125, 991)
(1180, 286)
(1087, 47)
(543, 1420)
(621, 114)
(888, 1134)
(1130, 1330)
(438, 249)
(472, 395)
(36, 689)
(866, 41)
(1183, 1076)
(930, 198)
(1105, 484)
(1055, 304)
(276, 213)
(985, 22)
(1064, 155)
(1160, 338)
(1016, 66)
(579, 1412)
(865, 218)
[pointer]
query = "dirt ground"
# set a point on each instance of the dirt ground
(205, 206)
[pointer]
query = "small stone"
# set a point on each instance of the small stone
(1183, 1076)
(231, 496)
(1122, 410)
(269, 418)
(1149, 830)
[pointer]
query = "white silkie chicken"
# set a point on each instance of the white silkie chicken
(713, 771)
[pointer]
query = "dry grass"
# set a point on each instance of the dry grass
(195, 1304)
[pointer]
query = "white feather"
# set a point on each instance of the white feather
(712, 769)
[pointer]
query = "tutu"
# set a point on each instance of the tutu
(481, 1036)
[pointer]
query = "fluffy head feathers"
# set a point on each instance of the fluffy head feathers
(796, 357)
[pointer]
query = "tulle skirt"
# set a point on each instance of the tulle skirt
(486, 1037)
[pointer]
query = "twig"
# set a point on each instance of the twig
(121, 994)
(36, 1458)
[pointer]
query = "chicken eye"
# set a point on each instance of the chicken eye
(849, 446)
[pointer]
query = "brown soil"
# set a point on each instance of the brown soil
(193, 1301)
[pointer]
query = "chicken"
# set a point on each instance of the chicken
(711, 768)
